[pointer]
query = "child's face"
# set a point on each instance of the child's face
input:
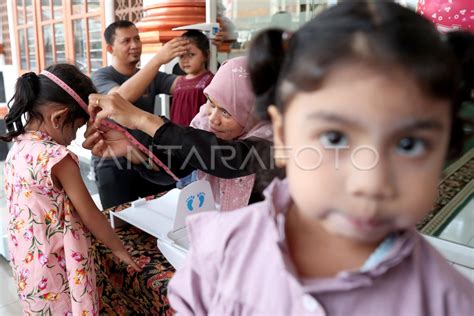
(194, 61)
(388, 144)
(70, 130)
(63, 133)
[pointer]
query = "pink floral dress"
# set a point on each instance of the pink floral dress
(49, 245)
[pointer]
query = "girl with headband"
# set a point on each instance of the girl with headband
(51, 214)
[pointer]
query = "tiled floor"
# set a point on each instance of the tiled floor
(9, 305)
(461, 228)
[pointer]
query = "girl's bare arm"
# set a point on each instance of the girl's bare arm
(68, 176)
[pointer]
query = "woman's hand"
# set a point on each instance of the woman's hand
(106, 142)
(116, 108)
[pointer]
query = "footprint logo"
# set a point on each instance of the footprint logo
(189, 202)
(201, 197)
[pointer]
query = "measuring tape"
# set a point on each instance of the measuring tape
(110, 124)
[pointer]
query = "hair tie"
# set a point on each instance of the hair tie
(33, 81)
(285, 39)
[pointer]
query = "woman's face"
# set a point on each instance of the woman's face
(221, 122)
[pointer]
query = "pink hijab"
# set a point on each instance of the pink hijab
(231, 90)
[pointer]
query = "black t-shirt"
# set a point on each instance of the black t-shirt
(107, 78)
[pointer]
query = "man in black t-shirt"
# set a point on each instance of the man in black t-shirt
(117, 181)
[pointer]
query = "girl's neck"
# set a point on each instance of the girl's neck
(35, 126)
(197, 74)
(317, 253)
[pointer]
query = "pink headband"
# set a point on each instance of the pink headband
(66, 88)
(108, 123)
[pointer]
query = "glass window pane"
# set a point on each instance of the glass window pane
(80, 44)
(59, 38)
(48, 45)
(22, 40)
(77, 6)
(29, 11)
(58, 9)
(240, 20)
(95, 44)
(32, 47)
(93, 5)
(45, 10)
(19, 12)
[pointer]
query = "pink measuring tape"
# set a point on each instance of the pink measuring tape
(110, 124)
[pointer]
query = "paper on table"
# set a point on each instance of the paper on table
(167, 213)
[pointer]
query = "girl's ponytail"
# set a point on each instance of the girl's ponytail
(26, 92)
(266, 55)
(462, 44)
(265, 59)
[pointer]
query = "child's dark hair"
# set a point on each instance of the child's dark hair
(199, 39)
(35, 91)
(378, 33)
(109, 33)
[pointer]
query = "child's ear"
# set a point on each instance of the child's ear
(58, 117)
(277, 123)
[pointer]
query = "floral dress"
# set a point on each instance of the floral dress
(49, 246)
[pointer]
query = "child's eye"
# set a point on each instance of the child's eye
(411, 146)
(333, 139)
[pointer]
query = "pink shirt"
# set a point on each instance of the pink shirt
(238, 265)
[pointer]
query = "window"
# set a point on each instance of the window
(242, 19)
(26, 34)
(54, 31)
(5, 33)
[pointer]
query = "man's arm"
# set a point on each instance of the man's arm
(135, 87)
(103, 81)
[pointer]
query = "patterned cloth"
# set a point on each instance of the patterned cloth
(448, 14)
(49, 246)
(125, 292)
(457, 177)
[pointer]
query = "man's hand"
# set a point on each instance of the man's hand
(173, 48)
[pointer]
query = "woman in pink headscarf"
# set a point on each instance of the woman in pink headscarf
(229, 115)
(226, 143)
